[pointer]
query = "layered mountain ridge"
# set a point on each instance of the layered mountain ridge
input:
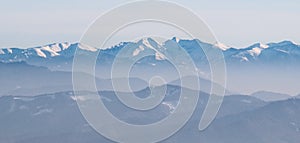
(258, 65)
(285, 50)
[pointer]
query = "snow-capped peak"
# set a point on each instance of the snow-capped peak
(259, 45)
(157, 49)
(263, 46)
(40, 53)
(146, 42)
(176, 39)
(150, 44)
(53, 49)
(257, 48)
(255, 51)
(294, 43)
(221, 46)
(57, 47)
(87, 47)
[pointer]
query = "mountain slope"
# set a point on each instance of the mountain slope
(46, 118)
(277, 122)
(249, 69)
(22, 79)
(282, 52)
(56, 118)
(270, 96)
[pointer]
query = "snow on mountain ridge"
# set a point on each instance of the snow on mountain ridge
(221, 46)
(46, 51)
(283, 51)
(9, 50)
(151, 44)
(53, 49)
(40, 53)
(61, 49)
(1, 52)
(256, 49)
(176, 39)
(87, 47)
(264, 46)
(56, 47)
(138, 50)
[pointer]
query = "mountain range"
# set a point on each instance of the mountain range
(56, 118)
(259, 67)
(37, 103)
(285, 52)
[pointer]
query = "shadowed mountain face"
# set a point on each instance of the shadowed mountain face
(46, 118)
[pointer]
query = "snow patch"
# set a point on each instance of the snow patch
(40, 53)
(170, 106)
(159, 56)
(137, 51)
(24, 98)
(85, 98)
(147, 43)
(80, 98)
(52, 51)
(1, 52)
(65, 45)
(221, 46)
(87, 47)
(55, 47)
(244, 59)
(43, 111)
(294, 43)
(283, 51)
(263, 46)
(255, 51)
(9, 50)
(247, 101)
(176, 39)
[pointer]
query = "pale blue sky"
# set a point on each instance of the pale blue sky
(236, 23)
